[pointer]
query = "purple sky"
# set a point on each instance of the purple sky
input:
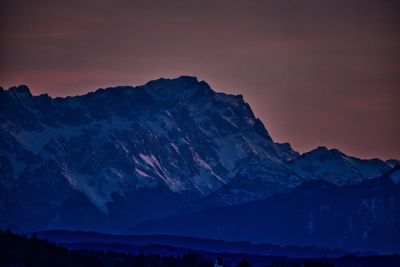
(316, 72)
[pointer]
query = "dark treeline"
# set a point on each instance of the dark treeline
(18, 250)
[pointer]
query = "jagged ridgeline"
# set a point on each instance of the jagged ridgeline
(116, 157)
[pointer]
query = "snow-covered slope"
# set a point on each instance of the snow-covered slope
(175, 134)
(128, 153)
(336, 167)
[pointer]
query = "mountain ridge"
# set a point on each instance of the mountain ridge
(362, 216)
(118, 151)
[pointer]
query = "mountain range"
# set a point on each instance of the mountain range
(119, 157)
(362, 216)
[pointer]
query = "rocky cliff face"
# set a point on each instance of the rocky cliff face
(118, 156)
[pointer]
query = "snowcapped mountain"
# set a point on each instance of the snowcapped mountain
(127, 154)
(336, 167)
(176, 136)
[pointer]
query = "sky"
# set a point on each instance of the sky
(317, 72)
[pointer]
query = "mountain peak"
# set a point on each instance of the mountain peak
(183, 87)
(187, 78)
(20, 90)
(321, 149)
(324, 152)
(181, 80)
